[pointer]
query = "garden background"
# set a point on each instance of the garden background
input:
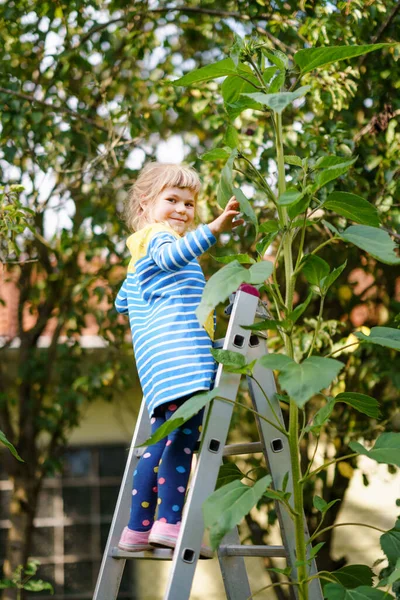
(86, 99)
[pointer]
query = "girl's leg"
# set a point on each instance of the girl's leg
(144, 492)
(174, 469)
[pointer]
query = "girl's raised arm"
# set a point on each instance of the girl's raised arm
(121, 301)
(171, 254)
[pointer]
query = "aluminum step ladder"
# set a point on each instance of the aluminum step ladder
(276, 452)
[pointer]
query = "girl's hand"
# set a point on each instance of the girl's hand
(225, 220)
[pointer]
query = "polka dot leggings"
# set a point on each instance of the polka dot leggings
(163, 471)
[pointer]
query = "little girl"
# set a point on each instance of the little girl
(160, 294)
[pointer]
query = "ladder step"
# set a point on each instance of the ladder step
(242, 448)
(156, 554)
(229, 450)
(231, 550)
(241, 550)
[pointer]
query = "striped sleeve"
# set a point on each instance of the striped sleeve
(171, 254)
(121, 301)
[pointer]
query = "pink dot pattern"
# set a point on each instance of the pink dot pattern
(187, 451)
(134, 492)
(147, 455)
(181, 489)
(161, 481)
(146, 522)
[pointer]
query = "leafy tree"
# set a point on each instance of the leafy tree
(83, 85)
(255, 78)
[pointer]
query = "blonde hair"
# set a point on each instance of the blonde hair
(152, 180)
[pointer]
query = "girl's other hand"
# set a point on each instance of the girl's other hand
(225, 220)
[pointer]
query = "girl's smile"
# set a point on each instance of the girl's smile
(175, 206)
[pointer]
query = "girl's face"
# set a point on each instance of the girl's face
(175, 206)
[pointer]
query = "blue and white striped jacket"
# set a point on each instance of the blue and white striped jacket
(161, 292)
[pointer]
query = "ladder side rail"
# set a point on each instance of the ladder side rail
(277, 454)
(210, 456)
(111, 569)
(233, 570)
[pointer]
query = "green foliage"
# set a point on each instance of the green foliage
(386, 449)
(14, 219)
(227, 506)
(7, 444)
(383, 336)
(278, 102)
(315, 58)
(226, 281)
(353, 207)
(353, 576)
(302, 381)
(374, 241)
(183, 414)
(336, 591)
(22, 579)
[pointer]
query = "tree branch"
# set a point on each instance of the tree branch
(56, 109)
(386, 24)
(183, 9)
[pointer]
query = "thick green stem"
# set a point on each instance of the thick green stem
(290, 281)
(301, 554)
(287, 243)
(318, 326)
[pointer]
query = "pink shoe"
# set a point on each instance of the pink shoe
(166, 535)
(134, 541)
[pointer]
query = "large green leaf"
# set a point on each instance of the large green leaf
(383, 336)
(375, 241)
(216, 154)
(386, 449)
(227, 473)
(314, 269)
(276, 362)
(313, 58)
(259, 272)
(352, 576)
(278, 102)
(245, 206)
(234, 85)
(243, 103)
(303, 380)
(330, 173)
(327, 281)
(225, 184)
(295, 314)
(289, 197)
(321, 416)
(227, 280)
(390, 543)
(336, 591)
(218, 69)
(361, 402)
(277, 58)
(4, 440)
(231, 138)
(229, 358)
(227, 506)
(184, 413)
(392, 577)
(243, 259)
(353, 207)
